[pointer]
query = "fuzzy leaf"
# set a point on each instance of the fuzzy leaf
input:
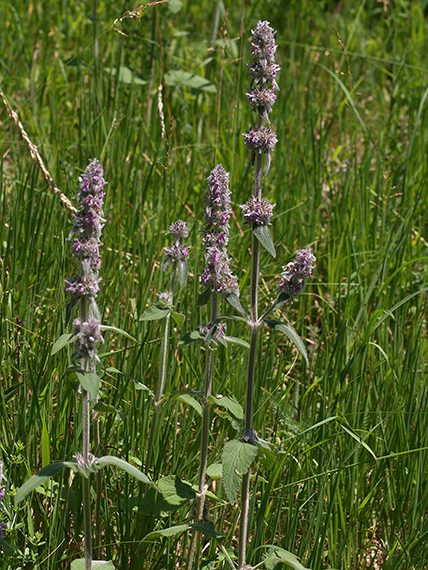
(193, 336)
(125, 75)
(291, 334)
(90, 381)
(237, 457)
(186, 398)
(234, 302)
(283, 557)
(232, 406)
(80, 564)
(172, 495)
(130, 469)
(40, 478)
(182, 272)
(153, 313)
(203, 298)
(168, 532)
(63, 340)
(178, 318)
(214, 471)
(238, 341)
(120, 331)
(264, 236)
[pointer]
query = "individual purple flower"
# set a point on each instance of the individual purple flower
(296, 273)
(257, 211)
(88, 336)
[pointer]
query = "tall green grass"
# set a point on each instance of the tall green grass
(349, 176)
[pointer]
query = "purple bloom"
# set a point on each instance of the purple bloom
(218, 275)
(217, 337)
(295, 274)
(260, 140)
(176, 253)
(257, 211)
(179, 229)
(88, 336)
(261, 100)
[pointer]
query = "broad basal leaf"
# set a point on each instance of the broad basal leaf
(280, 556)
(166, 532)
(186, 79)
(172, 495)
(80, 564)
(237, 457)
(125, 75)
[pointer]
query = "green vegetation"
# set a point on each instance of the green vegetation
(346, 487)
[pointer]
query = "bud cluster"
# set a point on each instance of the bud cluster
(296, 273)
(218, 275)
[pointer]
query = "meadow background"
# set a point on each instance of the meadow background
(348, 488)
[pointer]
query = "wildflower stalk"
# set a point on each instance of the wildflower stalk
(218, 280)
(176, 256)
(88, 224)
(257, 212)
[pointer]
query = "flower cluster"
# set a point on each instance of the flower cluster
(178, 251)
(85, 246)
(216, 337)
(296, 273)
(263, 87)
(88, 336)
(218, 276)
(257, 211)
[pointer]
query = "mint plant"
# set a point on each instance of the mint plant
(86, 336)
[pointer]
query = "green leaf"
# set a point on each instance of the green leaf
(125, 466)
(172, 495)
(291, 334)
(186, 79)
(103, 408)
(80, 564)
(215, 471)
(46, 452)
(153, 313)
(237, 457)
(63, 340)
(186, 398)
(238, 341)
(193, 336)
(178, 318)
(90, 381)
(234, 302)
(206, 528)
(264, 236)
(232, 406)
(166, 532)
(203, 298)
(175, 6)
(281, 556)
(125, 75)
(120, 331)
(182, 272)
(40, 478)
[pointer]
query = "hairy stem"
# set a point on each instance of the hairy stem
(204, 441)
(255, 264)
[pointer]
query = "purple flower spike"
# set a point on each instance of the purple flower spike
(295, 274)
(218, 275)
